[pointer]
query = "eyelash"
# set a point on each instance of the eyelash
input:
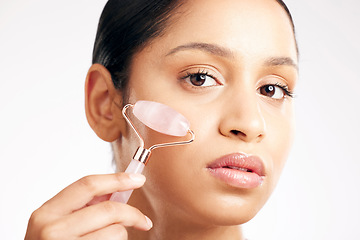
(285, 88)
(199, 72)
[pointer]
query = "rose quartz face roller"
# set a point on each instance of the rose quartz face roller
(160, 118)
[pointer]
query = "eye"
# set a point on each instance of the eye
(200, 79)
(275, 91)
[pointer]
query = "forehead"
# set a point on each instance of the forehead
(246, 27)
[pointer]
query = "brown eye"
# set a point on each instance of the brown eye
(201, 80)
(272, 91)
(198, 79)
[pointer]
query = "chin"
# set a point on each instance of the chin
(227, 211)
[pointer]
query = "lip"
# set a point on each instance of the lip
(238, 170)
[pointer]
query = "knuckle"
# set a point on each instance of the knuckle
(35, 218)
(43, 225)
(38, 219)
(109, 208)
(120, 177)
(49, 232)
(88, 182)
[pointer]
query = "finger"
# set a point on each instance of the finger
(100, 199)
(78, 194)
(112, 232)
(102, 215)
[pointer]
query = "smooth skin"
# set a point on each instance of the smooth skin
(238, 47)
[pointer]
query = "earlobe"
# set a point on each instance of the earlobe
(101, 104)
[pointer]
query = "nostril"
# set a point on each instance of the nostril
(246, 137)
(237, 133)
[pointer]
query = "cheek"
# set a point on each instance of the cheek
(280, 134)
(173, 172)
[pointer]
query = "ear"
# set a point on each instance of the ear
(101, 104)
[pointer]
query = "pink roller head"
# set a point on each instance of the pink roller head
(161, 118)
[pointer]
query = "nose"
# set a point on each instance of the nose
(243, 119)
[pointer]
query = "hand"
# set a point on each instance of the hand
(83, 211)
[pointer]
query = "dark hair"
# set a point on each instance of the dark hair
(126, 26)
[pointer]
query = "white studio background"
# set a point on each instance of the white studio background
(46, 144)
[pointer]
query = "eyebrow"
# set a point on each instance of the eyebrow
(281, 61)
(207, 47)
(224, 52)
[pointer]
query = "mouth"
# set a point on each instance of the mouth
(238, 170)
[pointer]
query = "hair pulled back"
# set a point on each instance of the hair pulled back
(125, 27)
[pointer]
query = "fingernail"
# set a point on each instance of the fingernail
(136, 177)
(149, 222)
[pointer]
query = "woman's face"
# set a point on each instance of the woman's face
(226, 66)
